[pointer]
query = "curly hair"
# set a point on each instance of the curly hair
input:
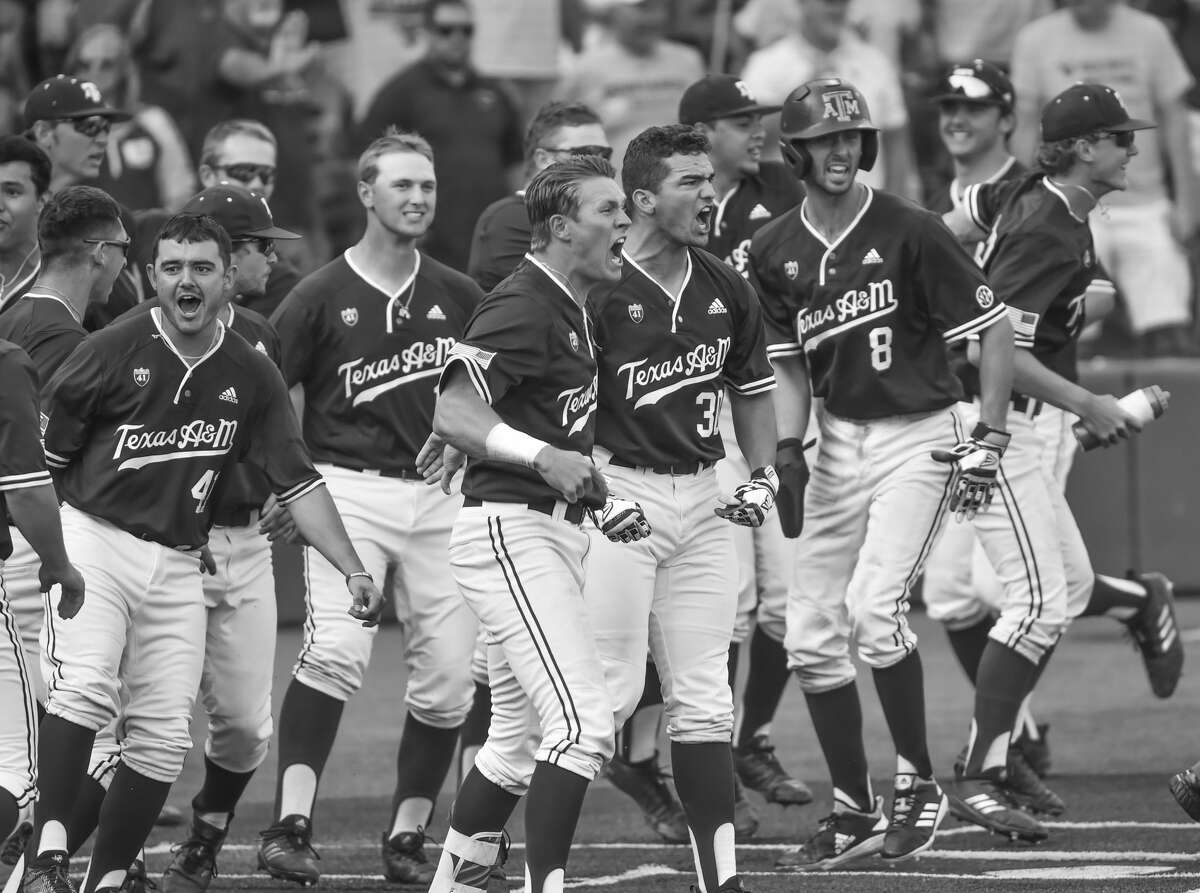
(645, 164)
(1058, 157)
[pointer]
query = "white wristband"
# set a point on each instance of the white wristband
(507, 444)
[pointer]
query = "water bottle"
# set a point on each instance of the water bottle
(1146, 404)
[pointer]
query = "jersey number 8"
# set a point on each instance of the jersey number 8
(880, 340)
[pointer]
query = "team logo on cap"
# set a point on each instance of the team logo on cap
(574, 341)
(350, 316)
(636, 312)
(842, 105)
(791, 269)
(744, 90)
(141, 376)
(91, 91)
(984, 297)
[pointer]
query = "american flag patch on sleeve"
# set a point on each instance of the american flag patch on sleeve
(1024, 323)
(477, 355)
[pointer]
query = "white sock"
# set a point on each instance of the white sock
(298, 791)
(13, 884)
(112, 879)
(53, 839)
(217, 819)
(552, 884)
(411, 814)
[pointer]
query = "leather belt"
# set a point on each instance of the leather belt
(404, 474)
(679, 469)
(1029, 407)
(573, 514)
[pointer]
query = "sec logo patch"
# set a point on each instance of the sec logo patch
(984, 297)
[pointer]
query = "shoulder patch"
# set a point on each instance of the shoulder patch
(472, 354)
(984, 297)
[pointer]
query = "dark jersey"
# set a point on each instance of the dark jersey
(22, 462)
(137, 437)
(529, 353)
(753, 203)
(664, 362)
(45, 327)
(873, 310)
(14, 291)
(369, 359)
(1040, 258)
(500, 241)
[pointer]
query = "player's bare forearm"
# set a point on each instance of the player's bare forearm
(296, 395)
(792, 397)
(318, 521)
(755, 428)
(996, 373)
(1032, 377)
(35, 512)
(959, 222)
(462, 418)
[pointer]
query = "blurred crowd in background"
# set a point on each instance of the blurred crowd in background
(327, 76)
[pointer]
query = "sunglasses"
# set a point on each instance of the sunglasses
(266, 247)
(1122, 138)
(247, 173)
(451, 30)
(90, 127)
(971, 87)
(123, 244)
(604, 152)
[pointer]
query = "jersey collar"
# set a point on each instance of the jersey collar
(393, 297)
(829, 246)
(570, 297)
(156, 317)
(719, 213)
(1062, 196)
(34, 293)
(17, 287)
(674, 299)
(1001, 172)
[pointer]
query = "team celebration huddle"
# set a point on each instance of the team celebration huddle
(711, 407)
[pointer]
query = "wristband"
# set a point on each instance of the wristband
(506, 444)
(359, 574)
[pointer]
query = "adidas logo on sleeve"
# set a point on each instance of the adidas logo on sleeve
(716, 307)
(229, 395)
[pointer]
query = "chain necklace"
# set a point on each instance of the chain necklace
(16, 277)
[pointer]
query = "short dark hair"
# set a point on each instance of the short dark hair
(71, 215)
(645, 165)
(194, 228)
(14, 147)
(551, 117)
(555, 190)
(432, 6)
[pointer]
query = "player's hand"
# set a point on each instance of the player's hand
(368, 600)
(976, 463)
(621, 520)
(452, 460)
(792, 469)
(573, 475)
(207, 564)
(1108, 420)
(753, 500)
(429, 459)
(72, 585)
(277, 524)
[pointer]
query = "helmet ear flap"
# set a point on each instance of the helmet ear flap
(797, 158)
(870, 150)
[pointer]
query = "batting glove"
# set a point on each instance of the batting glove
(793, 479)
(753, 500)
(621, 520)
(977, 462)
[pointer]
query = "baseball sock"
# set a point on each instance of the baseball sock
(422, 763)
(64, 749)
(475, 729)
(704, 779)
(85, 814)
(1115, 597)
(968, 644)
(766, 679)
(901, 689)
(308, 723)
(9, 813)
(837, 719)
(222, 789)
(126, 820)
(552, 809)
(1004, 680)
(475, 840)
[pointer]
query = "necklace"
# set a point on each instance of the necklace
(561, 277)
(16, 277)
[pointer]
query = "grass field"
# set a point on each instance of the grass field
(1114, 747)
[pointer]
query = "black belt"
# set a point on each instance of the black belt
(403, 474)
(237, 517)
(546, 506)
(678, 469)
(1027, 406)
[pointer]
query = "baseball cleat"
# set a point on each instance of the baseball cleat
(48, 873)
(745, 818)
(1185, 788)
(1024, 787)
(14, 845)
(646, 784)
(1037, 750)
(918, 810)
(285, 851)
(404, 860)
(1155, 630)
(760, 770)
(135, 880)
(983, 802)
(841, 837)
(194, 862)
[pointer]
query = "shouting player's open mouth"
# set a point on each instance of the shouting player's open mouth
(615, 250)
(189, 305)
(704, 219)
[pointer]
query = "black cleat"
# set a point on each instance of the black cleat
(1185, 788)
(404, 860)
(135, 881)
(745, 817)
(646, 784)
(1155, 630)
(841, 837)
(760, 770)
(14, 845)
(1024, 787)
(48, 873)
(1037, 750)
(984, 802)
(918, 809)
(285, 851)
(194, 862)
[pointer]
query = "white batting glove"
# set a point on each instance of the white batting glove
(976, 464)
(621, 520)
(753, 500)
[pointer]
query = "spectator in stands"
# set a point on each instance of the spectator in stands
(982, 29)
(147, 163)
(501, 239)
(634, 77)
(471, 122)
(1139, 233)
(518, 43)
(824, 45)
(24, 187)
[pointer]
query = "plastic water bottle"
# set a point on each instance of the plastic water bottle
(1146, 404)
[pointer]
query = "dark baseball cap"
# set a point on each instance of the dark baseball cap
(1086, 108)
(66, 97)
(720, 96)
(977, 82)
(242, 213)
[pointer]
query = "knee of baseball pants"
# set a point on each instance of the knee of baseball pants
(698, 701)
(334, 657)
(239, 743)
(1032, 633)
(881, 629)
(818, 644)
(624, 663)
(947, 589)
(442, 699)
(106, 754)
(508, 761)
(157, 748)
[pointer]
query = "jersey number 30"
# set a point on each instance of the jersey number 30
(880, 340)
(710, 408)
(202, 490)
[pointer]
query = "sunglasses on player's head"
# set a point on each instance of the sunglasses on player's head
(247, 173)
(465, 29)
(91, 126)
(604, 152)
(970, 86)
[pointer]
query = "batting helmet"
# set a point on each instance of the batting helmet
(821, 107)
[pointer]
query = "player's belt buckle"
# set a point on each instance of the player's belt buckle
(1029, 407)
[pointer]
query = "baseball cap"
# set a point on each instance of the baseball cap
(976, 81)
(67, 97)
(242, 213)
(1085, 108)
(719, 96)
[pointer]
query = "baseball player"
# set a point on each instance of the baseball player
(519, 398)
(143, 419)
(364, 339)
(862, 291)
(1039, 251)
(27, 501)
(678, 329)
(24, 184)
